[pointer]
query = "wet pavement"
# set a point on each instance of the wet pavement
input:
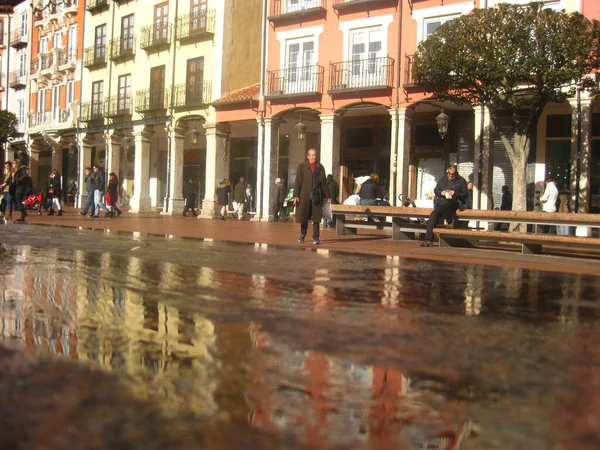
(137, 341)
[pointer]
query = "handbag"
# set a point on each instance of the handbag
(326, 211)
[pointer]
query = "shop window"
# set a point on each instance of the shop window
(558, 126)
(558, 161)
(359, 138)
(427, 136)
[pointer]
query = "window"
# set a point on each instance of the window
(100, 42)
(41, 101)
(161, 19)
(365, 51)
(127, 32)
(157, 87)
(97, 97)
(20, 113)
(124, 94)
(1, 32)
(430, 25)
(22, 64)
(198, 10)
(72, 44)
(58, 41)
(55, 103)
(43, 45)
(195, 78)
(70, 93)
(299, 5)
(300, 59)
(23, 26)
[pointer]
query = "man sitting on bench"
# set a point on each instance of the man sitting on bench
(450, 194)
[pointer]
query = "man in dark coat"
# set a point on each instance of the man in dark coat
(310, 191)
(189, 195)
(90, 187)
(277, 197)
(369, 190)
(54, 189)
(449, 192)
(99, 189)
(239, 197)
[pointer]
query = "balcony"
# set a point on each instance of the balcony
(35, 67)
(195, 96)
(151, 101)
(361, 75)
(18, 39)
(46, 61)
(156, 37)
(120, 2)
(59, 118)
(17, 79)
(409, 61)
(289, 10)
(67, 58)
(122, 49)
(196, 26)
(92, 111)
(94, 57)
(96, 6)
(118, 106)
(297, 82)
(349, 5)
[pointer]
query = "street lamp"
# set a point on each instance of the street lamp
(194, 136)
(300, 130)
(72, 148)
(126, 143)
(442, 123)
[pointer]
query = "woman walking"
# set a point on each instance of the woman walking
(112, 194)
(19, 186)
(54, 188)
(223, 192)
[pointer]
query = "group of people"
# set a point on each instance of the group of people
(101, 196)
(241, 200)
(16, 186)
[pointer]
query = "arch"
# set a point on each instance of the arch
(361, 108)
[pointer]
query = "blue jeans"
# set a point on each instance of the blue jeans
(8, 199)
(99, 203)
(89, 204)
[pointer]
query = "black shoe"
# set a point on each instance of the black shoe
(81, 214)
(316, 241)
(426, 243)
(59, 212)
(95, 217)
(39, 213)
(301, 238)
(119, 212)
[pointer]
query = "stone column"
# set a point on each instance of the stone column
(85, 160)
(400, 159)
(34, 161)
(217, 166)
(581, 148)
(113, 152)
(266, 166)
(482, 120)
(175, 201)
(330, 146)
(141, 194)
(57, 158)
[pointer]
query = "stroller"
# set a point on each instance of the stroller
(33, 202)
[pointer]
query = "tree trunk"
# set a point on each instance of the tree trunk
(518, 155)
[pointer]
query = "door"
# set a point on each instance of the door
(100, 43)
(43, 55)
(161, 19)
(195, 78)
(55, 103)
(367, 68)
(72, 44)
(124, 94)
(157, 87)
(300, 60)
(97, 96)
(198, 20)
(127, 34)
(22, 66)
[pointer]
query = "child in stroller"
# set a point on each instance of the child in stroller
(34, 202)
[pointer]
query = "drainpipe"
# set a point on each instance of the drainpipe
(263, 68)
(169, 127)
(77, 131)
(7, 89)
(112, 36)
(397, 130)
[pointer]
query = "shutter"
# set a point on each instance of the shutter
(465, 147)
(503, 173)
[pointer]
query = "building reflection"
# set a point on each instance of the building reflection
(329, 401)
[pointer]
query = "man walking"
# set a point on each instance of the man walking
(99, 188)
(90, 187)
(277, 199)
(310, 191)
(189, 195)
(449, 192)
(239, 198)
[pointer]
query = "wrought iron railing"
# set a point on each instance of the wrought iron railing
(18, 38)
(296, 81)
(339, 3)
(118, 105)
(96, 5)
(157, 35)
(92, 111)
(362, 74)
(122, 48)
(281, 7)
(148, 100)
(35, 66)
(94, 57)
(17, 79)
(408, 69)
(60, 116)
(190, 95)
(196, 25)
(67, 56)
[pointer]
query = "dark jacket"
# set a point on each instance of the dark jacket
(223, 195)
(239, 193)
(458, 185)
(21, 183)
(6, 184)
(334, 188)
(90, 183)
(99, 181)
(304, 184)
(113, 189)
(189, 193)
(506, 204)
(369, 190)
(277, 195)
(54, 187)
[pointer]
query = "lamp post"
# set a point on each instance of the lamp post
(442, 123)
(300, 130)
(194, 136)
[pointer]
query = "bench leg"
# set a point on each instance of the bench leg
(397, 233)
(531, 249)
(455, 242)
(340, 226)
